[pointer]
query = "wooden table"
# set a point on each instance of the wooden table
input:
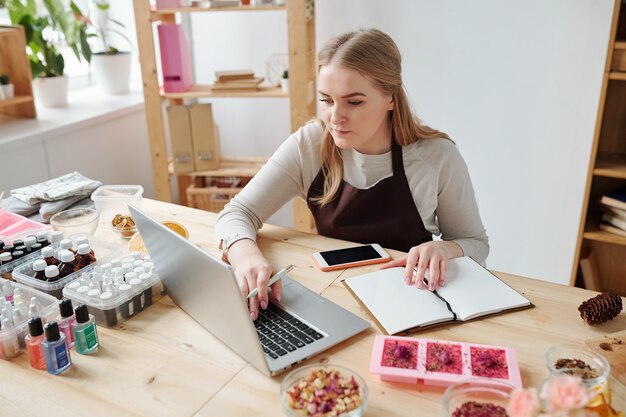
(162, 363)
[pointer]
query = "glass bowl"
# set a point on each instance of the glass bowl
(576, 360)
(123, 225)
(327, 376)
(488, 394)
(76, 222)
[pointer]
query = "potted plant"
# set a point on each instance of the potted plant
(111, 67)
(284, 82)
(6, 88)
(43, 34)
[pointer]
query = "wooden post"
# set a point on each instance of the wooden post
(302, 88)
(152, 101)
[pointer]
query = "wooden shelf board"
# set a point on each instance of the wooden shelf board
(229, 167)
(612, 166)
(156, 14)
(620, 45)
(16, 100)
(617, 75)
(602, 236)
(203, 90)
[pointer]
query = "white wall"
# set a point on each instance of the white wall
(516, 85)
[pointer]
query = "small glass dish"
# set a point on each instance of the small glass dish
(579, 361)
(473, 394)
(329, 377)
(124, 225)
(76, 222)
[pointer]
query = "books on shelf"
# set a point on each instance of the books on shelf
(238, 80)
(471, 291)
(214, 3)
(615, 199)
(612, 229)
(613, 205)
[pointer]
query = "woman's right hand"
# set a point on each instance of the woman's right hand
(252, 271)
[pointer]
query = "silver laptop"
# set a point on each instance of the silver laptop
(301, 325)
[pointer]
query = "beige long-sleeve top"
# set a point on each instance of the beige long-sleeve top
(436, 172)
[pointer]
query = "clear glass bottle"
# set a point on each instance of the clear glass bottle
(10, 344)
(55, 350)
(85, 332)
(66, 320)
(33, 343)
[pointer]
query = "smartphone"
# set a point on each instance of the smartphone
(350, 257)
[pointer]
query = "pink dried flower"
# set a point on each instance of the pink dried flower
(523, 403)
(565, 393)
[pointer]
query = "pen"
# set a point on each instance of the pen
(275, 278)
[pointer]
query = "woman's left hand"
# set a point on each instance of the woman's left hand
(430, 256)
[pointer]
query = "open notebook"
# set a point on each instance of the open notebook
(471, 291)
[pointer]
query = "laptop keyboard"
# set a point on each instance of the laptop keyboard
(281, 332)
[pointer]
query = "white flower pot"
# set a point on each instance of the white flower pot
(284, 83)
(51, 92)
(112, 72)
(7, 91)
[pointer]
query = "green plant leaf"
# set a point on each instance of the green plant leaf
(86, 49)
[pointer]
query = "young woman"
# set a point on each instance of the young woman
(369, 171)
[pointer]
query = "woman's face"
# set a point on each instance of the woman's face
(355, 110)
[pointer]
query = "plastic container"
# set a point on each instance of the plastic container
(24, 274)
(13, 226)
(48, 310)
(330, 375)
(489, 394)
(76, 222)
(442, 363)
(128, 299)
(114, 199)
(6, 270)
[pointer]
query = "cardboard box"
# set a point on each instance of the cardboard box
(180, 137)
(205, 137)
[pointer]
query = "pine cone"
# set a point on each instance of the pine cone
(601, 308)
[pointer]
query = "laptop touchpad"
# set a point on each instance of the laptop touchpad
(297, 297)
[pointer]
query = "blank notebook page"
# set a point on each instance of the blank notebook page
(473, 291)
(397, 306)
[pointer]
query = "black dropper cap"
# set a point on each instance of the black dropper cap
(65, 307)
(82, 313)
(18, 242)
(35, 327)
(35, 247)
(52, 331)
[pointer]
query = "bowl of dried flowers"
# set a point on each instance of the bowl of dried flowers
(323, 391)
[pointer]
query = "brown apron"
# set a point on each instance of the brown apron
(385, 213)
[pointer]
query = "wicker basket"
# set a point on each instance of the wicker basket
(213, 193)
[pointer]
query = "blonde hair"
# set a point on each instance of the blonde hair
(374, 55)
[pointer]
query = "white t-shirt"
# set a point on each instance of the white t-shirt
(436, 172)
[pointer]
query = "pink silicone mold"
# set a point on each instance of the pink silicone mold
(441, 363)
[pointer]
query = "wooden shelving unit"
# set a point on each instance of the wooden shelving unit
(302, 74)
(13, 61)
(607, 170)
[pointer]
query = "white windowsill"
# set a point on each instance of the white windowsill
(86, 106)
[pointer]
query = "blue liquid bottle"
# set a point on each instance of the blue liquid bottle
(55, 350)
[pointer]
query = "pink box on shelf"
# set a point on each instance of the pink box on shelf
(169, 4)
(175, 58)
(441, 363)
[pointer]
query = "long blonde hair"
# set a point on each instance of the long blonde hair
(375, 55)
